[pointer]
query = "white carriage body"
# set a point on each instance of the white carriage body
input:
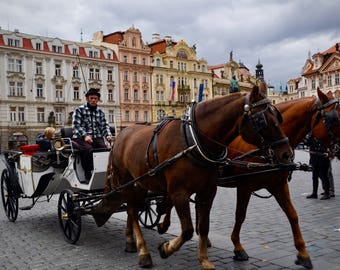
(60, 178)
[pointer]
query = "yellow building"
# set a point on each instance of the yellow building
(177, 77)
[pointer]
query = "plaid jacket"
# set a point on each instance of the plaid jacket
(87, 122)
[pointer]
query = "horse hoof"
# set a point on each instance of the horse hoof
(241, 256)
(145, 261)
(162, 250)
(161, 229)
(130, 247)
(304, 261)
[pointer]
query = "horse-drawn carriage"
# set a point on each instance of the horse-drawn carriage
(34, 175)
(179, 158)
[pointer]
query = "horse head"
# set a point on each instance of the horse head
(326, 122)
(260, 126)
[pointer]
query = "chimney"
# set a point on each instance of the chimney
(168, 38)
(156, 37)
(98, 36)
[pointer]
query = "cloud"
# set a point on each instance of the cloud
(279, 33)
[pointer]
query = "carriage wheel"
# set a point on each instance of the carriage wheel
(9, 201)
(149, 215)
(69, 219)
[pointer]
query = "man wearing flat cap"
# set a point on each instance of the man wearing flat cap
(89, 128)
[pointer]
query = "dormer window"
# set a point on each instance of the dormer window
(57, 49)
(38, 46)
(74, 51)
(13, 42)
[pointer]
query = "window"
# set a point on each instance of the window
(75, 72)
(145, 78)
(21, 114)
(125, 59)
(58, 70)
(41, 115)
(134, 60)
(16, 89)
(38, 46)
(111, 116)
(38, 68)
(126, 75)
(13, 42)
(58, 116)
(146, 116)
(126, 94)
(143, 61)
(158, 62)
(59, 93)
(91, 75)
(13, 114)
(337, 79)
(135, 76)
(93, 54)
(160, 114)
(203, 68)
(329, 80)
(74, 51)
(145, 95)
(110, 94)
(134, 42)
(136, 116)
(40, 91)
(171, 64)
(109, 75)
(159, 79)
(135, 95)
(15, 65)
(159, 95)
(97, 74)
(127, 116)
(57, 49)
(76, 92)
(108, 56)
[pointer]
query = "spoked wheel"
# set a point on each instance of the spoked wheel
(9, 201)
(69, 219)
(149, 216)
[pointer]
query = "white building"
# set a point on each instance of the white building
(40, 76)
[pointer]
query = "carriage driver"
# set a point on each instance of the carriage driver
(89, 127)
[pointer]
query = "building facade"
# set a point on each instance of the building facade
(42, 80)
(178, 77)
(223, 74)
(134, 74)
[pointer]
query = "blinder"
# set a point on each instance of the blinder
(331, 118)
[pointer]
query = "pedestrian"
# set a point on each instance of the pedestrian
(320, 163)
(89, 128)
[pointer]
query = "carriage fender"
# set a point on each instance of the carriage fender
(13, 176)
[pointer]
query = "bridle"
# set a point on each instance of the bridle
(257, 120)
(259, 123)
(330, 119)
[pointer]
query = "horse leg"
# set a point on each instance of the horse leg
(243, 197)
(164, 226)
(144, 256)
(282, 196)
(130, 245)
(181, 203)
(203, 206)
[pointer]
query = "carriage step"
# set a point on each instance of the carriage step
(28, 207)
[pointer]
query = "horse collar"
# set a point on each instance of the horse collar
(200, 153)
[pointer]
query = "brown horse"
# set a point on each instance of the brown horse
(181, 156)
(301, 116)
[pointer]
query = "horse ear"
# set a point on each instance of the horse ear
(323, 98)
(255, 91)
(330, 95)
(263, 88)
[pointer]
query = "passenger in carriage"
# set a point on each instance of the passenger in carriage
(45, 141)
(89, 127)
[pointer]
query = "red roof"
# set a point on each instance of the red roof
(332, 49)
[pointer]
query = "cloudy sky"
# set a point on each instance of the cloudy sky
(279, 33)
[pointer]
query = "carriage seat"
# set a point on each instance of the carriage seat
(66, 132)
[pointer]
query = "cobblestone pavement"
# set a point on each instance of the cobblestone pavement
(35, 240)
